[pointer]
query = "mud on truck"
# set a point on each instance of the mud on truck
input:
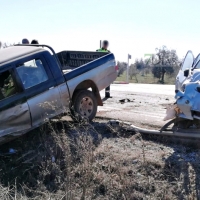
(36, 84)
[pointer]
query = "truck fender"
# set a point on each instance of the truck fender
(89, 84)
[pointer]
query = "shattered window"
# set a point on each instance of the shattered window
(32, 73)
(7, 86)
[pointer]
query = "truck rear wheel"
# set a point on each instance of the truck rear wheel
(84, 105)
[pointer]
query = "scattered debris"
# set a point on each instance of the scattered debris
(171, 111)
(125, 100)
(135, 161)
(10, 151)
(53, 159)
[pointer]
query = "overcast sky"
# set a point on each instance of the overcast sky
(136, 27)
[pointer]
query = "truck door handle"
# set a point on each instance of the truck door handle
(51, 88)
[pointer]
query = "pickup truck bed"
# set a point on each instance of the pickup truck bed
(74, 59)
(100, 76)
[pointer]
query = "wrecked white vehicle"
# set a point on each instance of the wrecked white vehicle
(186, 111)
(35, 86)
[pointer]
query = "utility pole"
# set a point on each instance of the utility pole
(127, 69)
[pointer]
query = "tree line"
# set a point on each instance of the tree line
(163, 61)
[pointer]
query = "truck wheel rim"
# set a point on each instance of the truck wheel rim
(86, 106)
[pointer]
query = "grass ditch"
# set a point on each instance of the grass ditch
(63, 160)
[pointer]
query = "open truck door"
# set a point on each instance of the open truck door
(187, 65)
(14, 110)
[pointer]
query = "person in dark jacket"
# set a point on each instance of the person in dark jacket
(34, 42)
(25, 41)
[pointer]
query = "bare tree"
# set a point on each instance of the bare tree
(133, 72)
(164, 61)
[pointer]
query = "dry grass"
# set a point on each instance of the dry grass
(77, 161)
(148, 79)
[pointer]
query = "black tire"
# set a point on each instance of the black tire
(84, 105)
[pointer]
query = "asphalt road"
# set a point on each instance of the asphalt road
(144, 104)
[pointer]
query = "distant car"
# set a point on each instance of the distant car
(33, 86)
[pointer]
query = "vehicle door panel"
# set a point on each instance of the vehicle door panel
(64, 96)
(45, 105)
(187, 64)
(43, 96)
(14, 110)
(15, 119)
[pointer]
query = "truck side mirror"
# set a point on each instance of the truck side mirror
(186, 72)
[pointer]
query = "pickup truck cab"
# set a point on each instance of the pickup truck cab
(33, 87)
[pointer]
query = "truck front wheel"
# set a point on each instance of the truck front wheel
(84, 105)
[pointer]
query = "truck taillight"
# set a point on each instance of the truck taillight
(116, 68)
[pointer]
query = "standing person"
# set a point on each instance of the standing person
(25, 41)
(104, 48)
(34, 42)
